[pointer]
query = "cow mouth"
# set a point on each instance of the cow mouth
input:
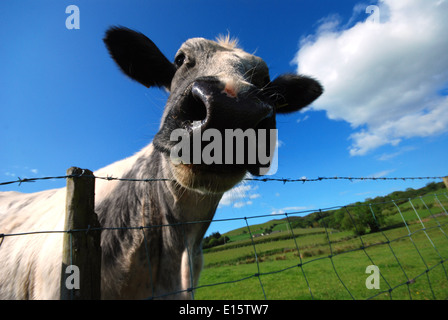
(208, 178)
(215, 171)
(222, 176)
(214, 159)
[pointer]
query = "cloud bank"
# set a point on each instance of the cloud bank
(387, 77)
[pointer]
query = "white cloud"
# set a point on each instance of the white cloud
(383, 78)
(389, 156)
(241, 204)
(288, 209)
(20, 171)
(239, 196)
(382, 174)
(280, 143)
(303, 119)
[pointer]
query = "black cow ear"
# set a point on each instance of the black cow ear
(139, 58)
(294, 92)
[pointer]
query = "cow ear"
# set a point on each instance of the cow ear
(138, 57)
(294, 92)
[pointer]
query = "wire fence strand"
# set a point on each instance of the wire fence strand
(19, 180)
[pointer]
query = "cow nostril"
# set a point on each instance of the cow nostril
(194, 110)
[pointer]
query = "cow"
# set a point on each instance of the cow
(212, 85)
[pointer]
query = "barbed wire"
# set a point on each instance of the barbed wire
(305, 179)
(265, 179)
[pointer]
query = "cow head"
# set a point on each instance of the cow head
(214, 87)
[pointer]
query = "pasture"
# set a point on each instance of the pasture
(327, 264)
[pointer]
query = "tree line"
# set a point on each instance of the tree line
(364, 217)
(213, 240)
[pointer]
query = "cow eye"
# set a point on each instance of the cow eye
(179, 60)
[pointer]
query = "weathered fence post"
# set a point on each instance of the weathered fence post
(445, 180)
(81, 255)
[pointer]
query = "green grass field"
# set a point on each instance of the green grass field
(304, 264)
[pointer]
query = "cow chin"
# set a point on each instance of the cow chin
(207, 179)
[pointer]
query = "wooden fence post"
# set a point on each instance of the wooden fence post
(445, 180)
(81, 255)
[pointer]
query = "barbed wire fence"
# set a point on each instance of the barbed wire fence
(426, 233)
(19, 181)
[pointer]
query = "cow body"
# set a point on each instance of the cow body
(213, 85)
(33, 271)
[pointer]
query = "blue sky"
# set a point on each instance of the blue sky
(64, 103)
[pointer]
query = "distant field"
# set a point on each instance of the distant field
(308, 266)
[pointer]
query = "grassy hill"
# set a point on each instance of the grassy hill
(272, 226)
(324, 255)
(316, 219)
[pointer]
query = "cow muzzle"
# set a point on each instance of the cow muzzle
(213, 104)
(224, 129)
